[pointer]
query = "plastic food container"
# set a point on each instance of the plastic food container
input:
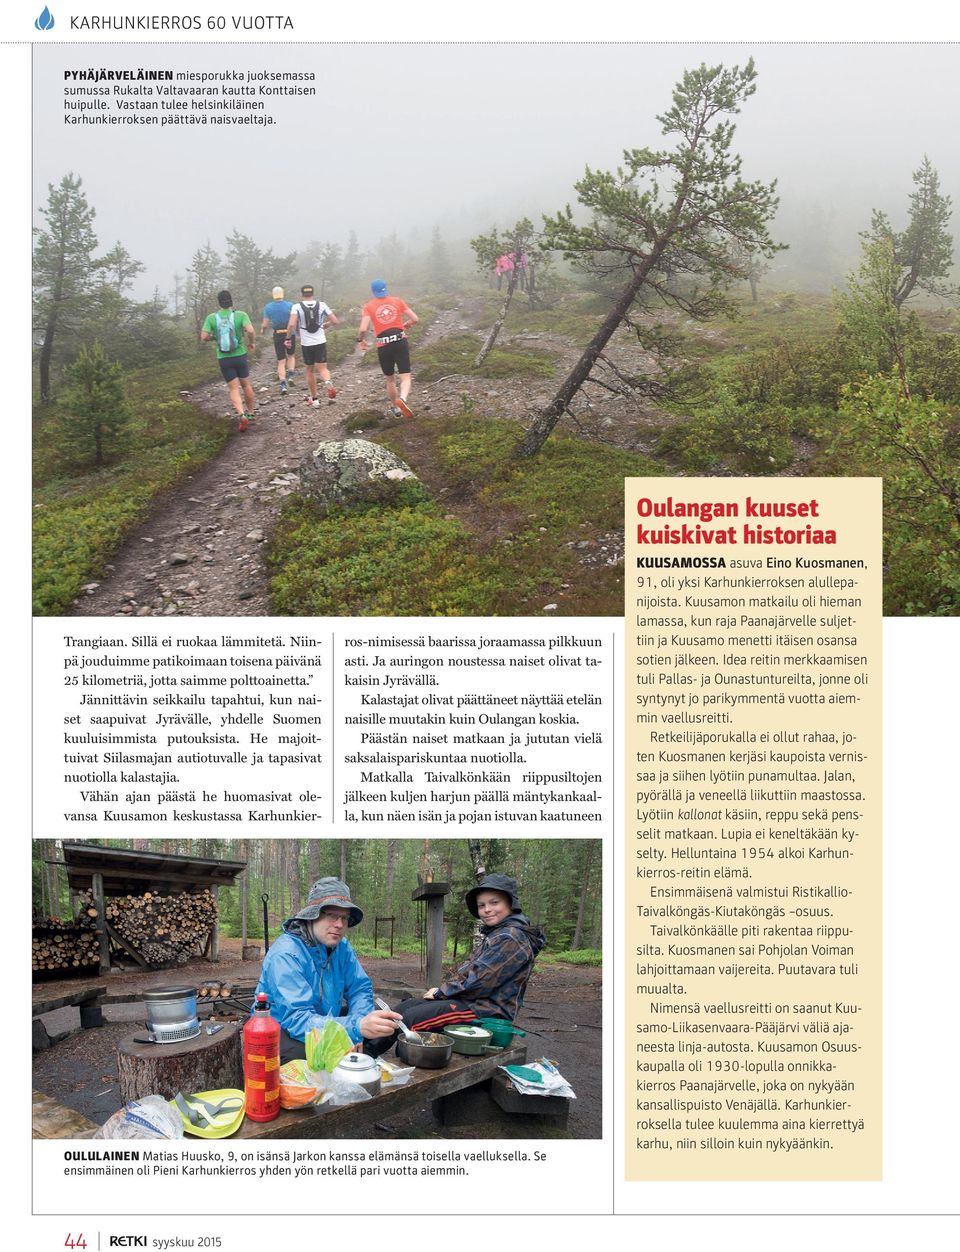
(503, 1032)
(469, 1040)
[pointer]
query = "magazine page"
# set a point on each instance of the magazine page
(495, 565)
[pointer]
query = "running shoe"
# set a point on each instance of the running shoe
(283, 389)
(244, 423)
(404, 408)
(331, 393)
(314, 402)
(394, 411)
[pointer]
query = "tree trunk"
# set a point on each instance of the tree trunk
(391, 873)
(46, 354)
(577, 942)
(243, 882)
(293, 875)
(478, 858)
(205, 1063)
(343, 860)
(495, 329)
(541, 426)
(50, 870)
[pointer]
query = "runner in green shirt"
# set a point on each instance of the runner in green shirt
(233, 333)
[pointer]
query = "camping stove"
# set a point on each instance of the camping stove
(172, 1014)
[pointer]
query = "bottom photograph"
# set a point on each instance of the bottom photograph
(329, 988)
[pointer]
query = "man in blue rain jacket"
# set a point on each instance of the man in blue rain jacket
(311, 974)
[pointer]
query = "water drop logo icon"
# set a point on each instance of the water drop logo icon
(45, 20)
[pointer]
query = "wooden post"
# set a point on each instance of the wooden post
(215, 929)
(102, 936)
(434, 893)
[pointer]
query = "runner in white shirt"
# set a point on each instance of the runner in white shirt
(308, 318)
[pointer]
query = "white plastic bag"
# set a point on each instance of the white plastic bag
(553, 1082)
(150, 1117)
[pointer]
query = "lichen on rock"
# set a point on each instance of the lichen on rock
(340, 473)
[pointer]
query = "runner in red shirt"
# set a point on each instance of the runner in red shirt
(390, 318)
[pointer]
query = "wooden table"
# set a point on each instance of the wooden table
(424, 1086)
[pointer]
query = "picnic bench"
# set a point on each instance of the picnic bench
(471, 1090)
(55, 1121)
(87, 999)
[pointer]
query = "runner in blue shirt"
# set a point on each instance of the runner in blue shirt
(277, 315)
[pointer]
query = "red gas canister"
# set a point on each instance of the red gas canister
(261, 1063)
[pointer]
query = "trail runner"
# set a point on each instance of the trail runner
(390, 318)
(233, 333)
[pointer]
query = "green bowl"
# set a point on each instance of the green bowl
(503, 1032)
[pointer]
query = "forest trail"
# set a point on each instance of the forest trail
(200, 552)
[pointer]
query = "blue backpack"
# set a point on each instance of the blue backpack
(226, 332)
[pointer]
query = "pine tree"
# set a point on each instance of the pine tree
(923, 253)
(205, 273)
(120, 268)
(671, 226)
(96, 417)
(64, 268)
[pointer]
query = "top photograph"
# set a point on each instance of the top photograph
(379, 330)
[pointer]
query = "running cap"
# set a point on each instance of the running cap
(278, 293)
(378, 287)
(307, 290)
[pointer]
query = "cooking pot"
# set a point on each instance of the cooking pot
(430, 1052)
(361, 1069)
(172, 1013)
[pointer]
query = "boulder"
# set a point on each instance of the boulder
(340, 473)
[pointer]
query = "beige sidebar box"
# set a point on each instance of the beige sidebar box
(753, 841)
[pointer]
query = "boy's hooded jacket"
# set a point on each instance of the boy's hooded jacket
(494, 979)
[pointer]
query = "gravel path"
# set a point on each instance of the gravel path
(200, 551)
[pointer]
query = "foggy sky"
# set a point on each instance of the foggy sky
(467, 136)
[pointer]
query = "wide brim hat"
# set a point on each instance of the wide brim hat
(329, 893)
(494, 882)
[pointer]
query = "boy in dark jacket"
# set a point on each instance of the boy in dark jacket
(493, 980)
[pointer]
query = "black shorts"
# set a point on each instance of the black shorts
(394, 354)
(280, 345)
(232, 367)
(314, 353)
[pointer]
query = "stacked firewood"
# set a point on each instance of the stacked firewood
(164, 930)
(60, 944)
(211, 990)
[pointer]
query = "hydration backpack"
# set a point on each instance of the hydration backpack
(312, 318)
(226, 332)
